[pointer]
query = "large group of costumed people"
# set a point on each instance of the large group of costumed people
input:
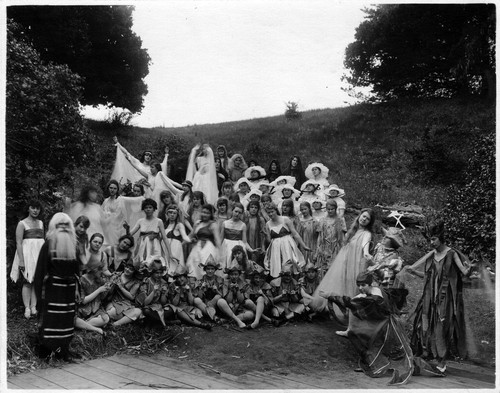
(240, 243)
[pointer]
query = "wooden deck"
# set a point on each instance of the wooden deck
(161, 372)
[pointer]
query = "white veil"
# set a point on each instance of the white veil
(124, 170)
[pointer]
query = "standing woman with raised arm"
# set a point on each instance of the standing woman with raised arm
(128, 168)
(29, 241)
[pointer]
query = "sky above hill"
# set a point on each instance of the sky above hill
(218, 61)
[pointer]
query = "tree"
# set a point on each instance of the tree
(97, 43)
(45, 134)
(424, 50)
(470, 211)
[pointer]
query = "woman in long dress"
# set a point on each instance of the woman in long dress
(439, 324)
(202, 173)
(206, 235)
(119, 210)
(340, 279)
(29, 241)
(283, 240)
(329, 238)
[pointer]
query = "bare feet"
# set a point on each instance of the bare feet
(342, 333)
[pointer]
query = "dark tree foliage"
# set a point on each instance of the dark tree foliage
(45, 134)
(97, 43)
(470, 211)
(424, 50)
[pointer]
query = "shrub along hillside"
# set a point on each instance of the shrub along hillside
(385, 153)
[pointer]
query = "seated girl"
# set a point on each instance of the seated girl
(308, 284)
(232, 303)
(258, 296)
(152, 296)
(208, 290)
(181, 300)
(386, 254)
(118, 256)
(90, 313)
(121, 308)
(286, 296)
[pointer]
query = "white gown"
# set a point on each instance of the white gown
(201, 172)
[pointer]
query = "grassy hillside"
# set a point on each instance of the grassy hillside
(366, 147)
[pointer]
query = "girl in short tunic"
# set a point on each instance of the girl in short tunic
(181, 300)
(234, 296)
(208, 290)
(283, 240)
(123, 291)
(259, 296)
(207, 239)
(29, 241)
(307, 230)
(234, 232)
(286, 296)
(308, 285)
(151, 232)
(152, 295)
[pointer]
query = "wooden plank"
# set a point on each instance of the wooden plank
(285, 382)
(66, 379)
(36, 381)
(18, 383)
(191, 376)
(99, 375)
(12, 386)
(142, 377)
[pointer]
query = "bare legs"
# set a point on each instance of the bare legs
(224, 307)
(29, 299)
(258, 309)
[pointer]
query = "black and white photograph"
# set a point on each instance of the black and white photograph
(249, 195)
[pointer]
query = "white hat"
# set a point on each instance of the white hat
(324, 171)
(314, 183)
(248, 172)
(336, 188)
(240, 181)
(288, 179)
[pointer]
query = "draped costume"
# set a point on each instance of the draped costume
(55, 287)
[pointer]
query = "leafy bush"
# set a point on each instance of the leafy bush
(470, 211)
(45, 135)
(292, 111)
